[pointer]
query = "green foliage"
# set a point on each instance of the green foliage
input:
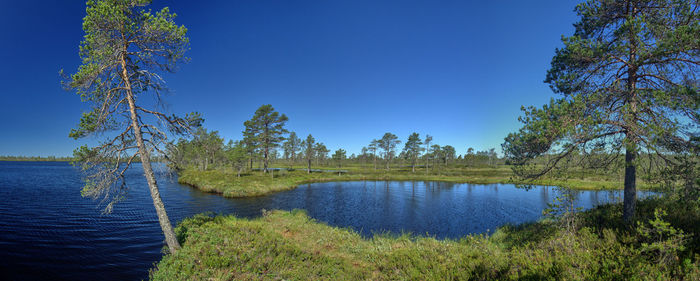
(292, 146)
(388, 143)
(662, 240)
(203, 151)
(482, 158)
(339, 156)
(309, 150)
(412, 149)
(83, 153)
(563, 210)
(88, 124)
(266, 129)
(627, 82)
(237, 155)
(292, 246)
(230, 184)
(124, 48)
(208, 146)
(682, 181)
(449, 153)
(321, 152)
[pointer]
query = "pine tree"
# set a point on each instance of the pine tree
(124, 48)
(412, 149)
(628, 82)
(266, 129)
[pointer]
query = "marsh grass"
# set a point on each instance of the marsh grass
(227, 182)
(283, 245)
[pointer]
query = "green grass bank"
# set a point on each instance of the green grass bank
(291, 246)
(227, 182)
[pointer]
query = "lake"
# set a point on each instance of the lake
(49, 232)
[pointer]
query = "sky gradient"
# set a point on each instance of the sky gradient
(344, 71)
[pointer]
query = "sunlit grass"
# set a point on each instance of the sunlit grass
(285, 245)
(255, 183)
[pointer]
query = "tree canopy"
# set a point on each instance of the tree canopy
(266, 129)
(627, 80)
(412, 149)
(309, 146)
(388, 143)
(291, 146)
(124, 48)
(339, 156)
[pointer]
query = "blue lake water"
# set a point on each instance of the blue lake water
(49, 232)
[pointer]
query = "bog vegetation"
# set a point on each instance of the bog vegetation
(291, 246)
(660, 244)
(248, 167)
(626, 116)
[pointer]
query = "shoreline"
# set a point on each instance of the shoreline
(227, 184)
(291, 245)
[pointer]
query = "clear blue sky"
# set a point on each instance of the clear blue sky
(344, 71)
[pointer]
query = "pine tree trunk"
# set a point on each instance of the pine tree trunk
(630, 197)
(163, 219)
(265, 160)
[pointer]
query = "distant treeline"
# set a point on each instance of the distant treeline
(207, 150)
(265, 141)
(62, 159)
(34, 158)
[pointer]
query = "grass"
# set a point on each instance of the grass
(291, 246)
(227, 183)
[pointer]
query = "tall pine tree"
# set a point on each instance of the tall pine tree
(124, 48)
(266, 128)
(627, 80)
(412, 149)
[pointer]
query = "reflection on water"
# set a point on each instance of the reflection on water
(47, 225)
(440, 209)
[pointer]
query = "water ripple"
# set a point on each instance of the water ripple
(49, 232)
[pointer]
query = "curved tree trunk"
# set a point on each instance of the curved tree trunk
(163, 219)
(165, 225)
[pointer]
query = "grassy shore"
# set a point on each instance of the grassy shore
(227, 182)
(291, 246)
